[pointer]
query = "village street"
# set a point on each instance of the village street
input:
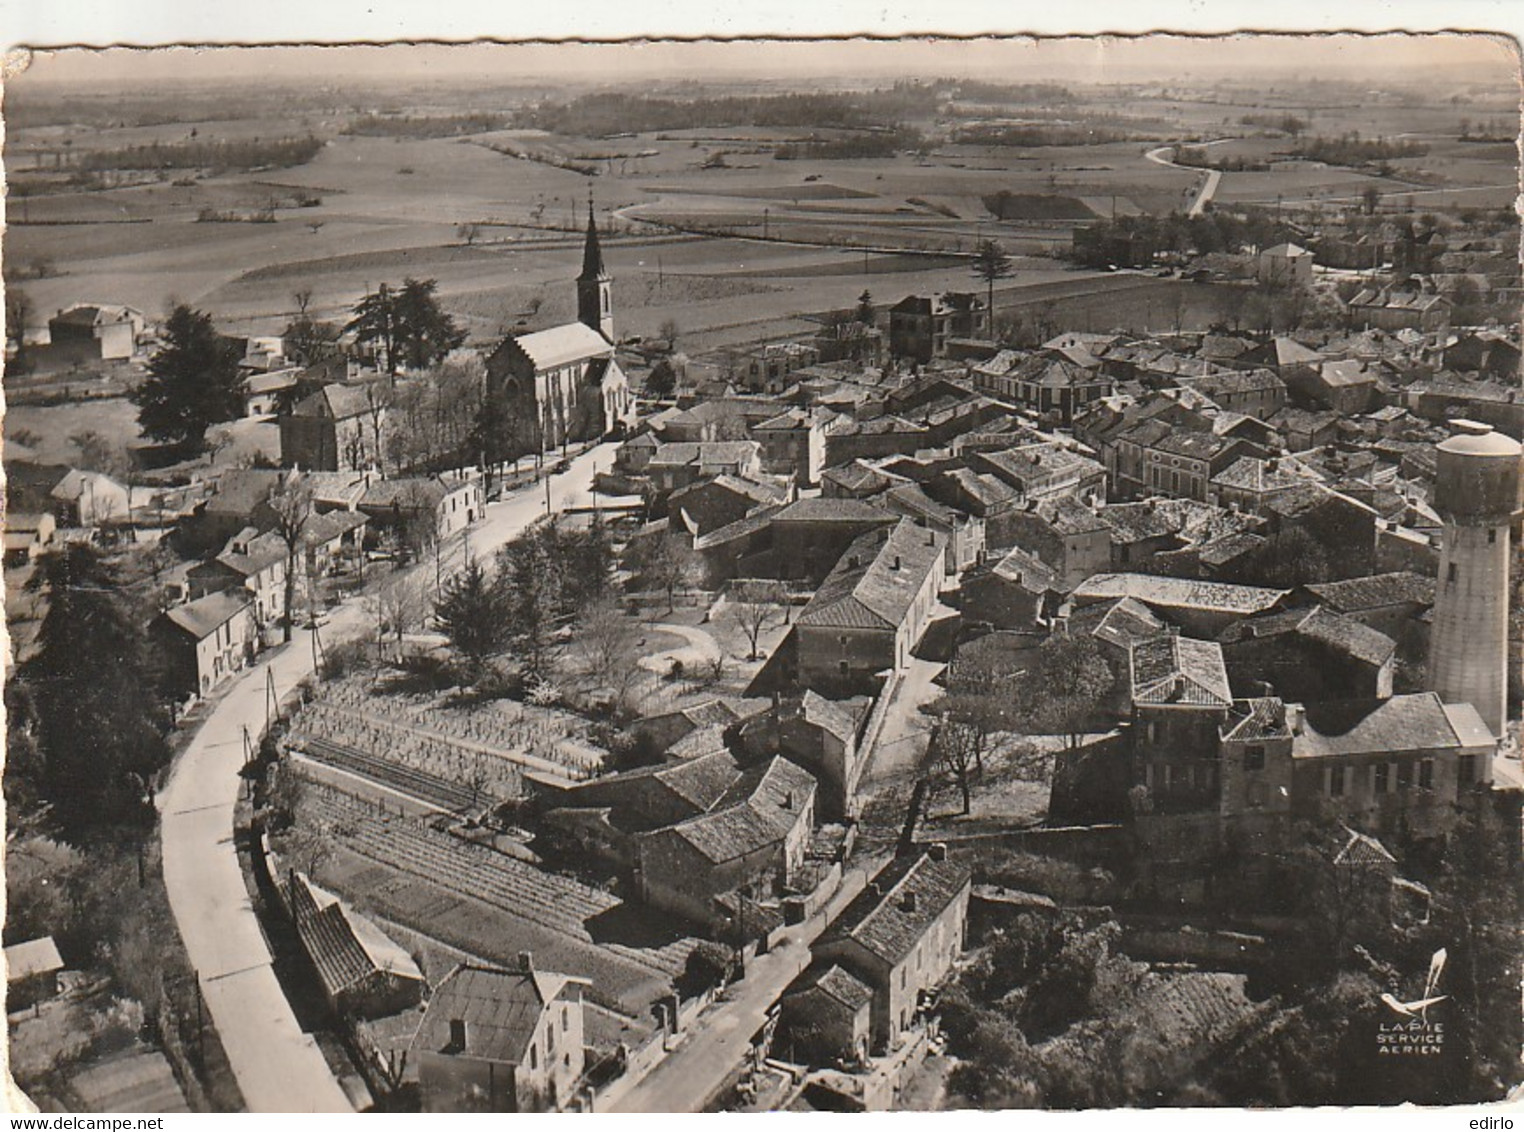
(705, 1058)
(278, 1067)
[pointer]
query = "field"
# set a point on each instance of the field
(704, 227)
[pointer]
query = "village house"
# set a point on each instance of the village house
(794, 443)
(708, 505)
(1257, 393)
(871, 610)
(720, 418)
(1202, 608)
(1303, 430)
(338, 427)
(1387, 308)
(1284, 265)
(95, 333)
(1043, 471)
(809, 536)
(566, 379)
(1249, 483)
(498, 1040)
(852, 439)
(263, 391)
(826, 1017)
(94, 499)
(821, 736)
(766, 368)
(205, 641)
(963, 533)
(900, 936)
(920, 327)
(28, 536)
(1391, 603)
(1308, 654)
(753, 838)
(253, 562)
(1182, 464)
(448, 503)
(677, 465)
(1017, 591)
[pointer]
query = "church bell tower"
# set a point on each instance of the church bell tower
(595, 306)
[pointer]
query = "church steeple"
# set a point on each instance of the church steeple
(595, 285)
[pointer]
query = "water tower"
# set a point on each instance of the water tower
(1477, 491)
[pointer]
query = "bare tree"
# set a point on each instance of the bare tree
(955, 749)
(669, 563)
(669, 333)
(291, 505)
(468, 232)
(754, 605)
(605, 643)
(399, 604)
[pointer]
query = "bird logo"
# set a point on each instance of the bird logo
(1419, 1007)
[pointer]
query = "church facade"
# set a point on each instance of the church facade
(564, 385)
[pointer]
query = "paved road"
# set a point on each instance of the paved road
(278, 1067)
(694, 1073)
(1208, 187)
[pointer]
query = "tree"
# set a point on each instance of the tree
(399, 604)
(865, 312)
(309, 341)
(1290, 557)
(192, 382)
(99, 453)
(532, 589)
(754, 605)
(989, 264)
(662, 380)
(668, 562)
(669, 332)
(1370, 197)
(18, 313)
(606, 645)
(291, 505)
(468, 232)
(955, 748)
(425, 333)
(472, 613)
(1061, 690)
(99, 729)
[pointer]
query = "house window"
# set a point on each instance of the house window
(1336, 781)
(1492, 535)
(1466, 770)
(1426, 774)
(1450, 573)
(1381, 782)
(841, 667)
(534, 1058)
(1254, 758)
(565, 1019)
(1404, 775)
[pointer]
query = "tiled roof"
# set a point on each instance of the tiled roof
(1332, 630)
(759, 519)
(1027, 571)
(683, 453)
(818, 509)
(248, 552)
(844, 990)
(412, 492)
(891, 916)
(1180, 670)
(1122, 623)
(340, 402)
(500, 1010)
(345, 948)
(1193, 445)
(241, 490)
(877, 592)
(1362, 849)
(1263, 717)
(834, 717)
(204, 616)
(1250, 473)
(1180, 593)
(1336, 728)
(759, 809)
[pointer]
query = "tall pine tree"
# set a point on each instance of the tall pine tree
(98, 728)
(192, 383)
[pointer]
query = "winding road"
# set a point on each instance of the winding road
(278, 1067)
(1208, 187)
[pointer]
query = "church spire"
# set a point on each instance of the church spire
(595, 304)
(592, 252)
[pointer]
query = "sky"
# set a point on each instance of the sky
(1470, 58)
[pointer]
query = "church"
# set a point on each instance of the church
(563, 385)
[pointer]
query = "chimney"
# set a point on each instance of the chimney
(526, 962)
(895, 565)
(853, 562)
(458, 1034)
(788, 800)
(908, 903)
(937, 850)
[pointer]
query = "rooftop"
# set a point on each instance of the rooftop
(875, 582)
(1322, 626)
(1180, 593)
(500, 1010)
(204, 616)
(890, 917)
(1179, 670)
(562, 345)
(1418, 722)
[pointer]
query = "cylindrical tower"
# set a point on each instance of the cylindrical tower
(1479, 476)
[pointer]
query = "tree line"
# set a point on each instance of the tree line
(217, 155)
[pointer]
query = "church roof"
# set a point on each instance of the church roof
(561, 345)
